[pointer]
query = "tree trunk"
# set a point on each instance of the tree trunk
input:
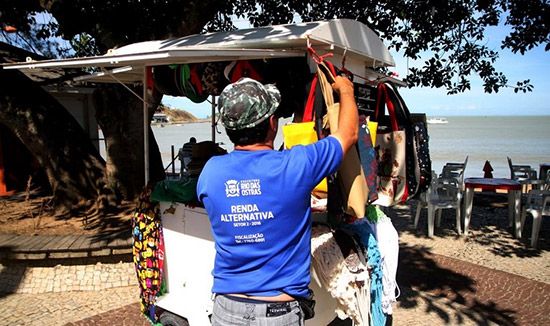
(120, 116)
(74, 167)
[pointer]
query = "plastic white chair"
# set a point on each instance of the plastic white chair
(538, 205)
(455, 170)
(521, 172)
(423, 199)
(443, 193)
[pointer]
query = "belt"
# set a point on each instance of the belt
(273, 308)
(250, 300)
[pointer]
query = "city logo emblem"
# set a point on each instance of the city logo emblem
(232, 188)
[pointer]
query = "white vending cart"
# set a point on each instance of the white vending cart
(188, 264)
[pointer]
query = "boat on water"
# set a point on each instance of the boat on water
(437, 121)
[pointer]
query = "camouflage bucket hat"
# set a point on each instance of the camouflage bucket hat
(246, 103)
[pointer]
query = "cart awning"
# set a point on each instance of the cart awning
(338, 35)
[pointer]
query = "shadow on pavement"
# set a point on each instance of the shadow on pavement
(425, 282)
(11, 275)
(127, 315)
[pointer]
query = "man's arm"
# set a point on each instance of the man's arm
(348, 119)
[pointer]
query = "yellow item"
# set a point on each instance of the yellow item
(302, 133)
(373, 126)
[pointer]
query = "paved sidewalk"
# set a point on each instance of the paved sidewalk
(435, 290)
(38, 247)
(43, 264)
(444, 290)
(65, 307)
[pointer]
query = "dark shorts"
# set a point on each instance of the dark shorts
(240, 311)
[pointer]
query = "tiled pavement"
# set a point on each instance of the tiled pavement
(128, 315)
(458, 292)
(435, 290)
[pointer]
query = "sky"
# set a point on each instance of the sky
(534, 65)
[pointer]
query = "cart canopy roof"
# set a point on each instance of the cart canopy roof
(342, 36)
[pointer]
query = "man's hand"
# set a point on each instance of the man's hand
(348, 123)
(342, 85)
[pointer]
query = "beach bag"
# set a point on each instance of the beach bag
(421, 139)
(181, 80)
(419, 167)
(163, 77)
(292, 77)
(303, 133)
(411, 155)
(367, 155)
(243, 68)
(392, 152)
(422, 150)
(212, 79)
(352, 181)
(189, 82)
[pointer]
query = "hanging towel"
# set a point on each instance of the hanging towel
(148, 253)
(388, 243)
(350, 287)
(364, 230)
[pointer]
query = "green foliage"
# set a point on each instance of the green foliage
(448, 35)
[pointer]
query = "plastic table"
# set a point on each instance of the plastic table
(514, 198)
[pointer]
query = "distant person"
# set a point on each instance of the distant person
(185, 153)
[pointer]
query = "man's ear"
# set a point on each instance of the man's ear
(274, 123)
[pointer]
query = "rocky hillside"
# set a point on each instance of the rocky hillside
(177, 115)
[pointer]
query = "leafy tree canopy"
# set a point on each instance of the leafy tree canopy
(448, 35)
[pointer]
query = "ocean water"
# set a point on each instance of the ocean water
(525, 139)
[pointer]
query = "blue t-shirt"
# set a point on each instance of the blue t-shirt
(258, 203)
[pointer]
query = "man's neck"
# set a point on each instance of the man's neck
(255, 147)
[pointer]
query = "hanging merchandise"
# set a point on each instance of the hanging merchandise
(243, 68)
(395, 142)
(304, 133)
(367, 155)
(299, 133)
(388, 245)
(164, 82)
(345, 276)
(421, 161)
(148, 253)
(292, 77)
(353, 183)
(212, 79)
(419, 164)
(181, 80)
(421, 142)
(189, 82)
(363, 229)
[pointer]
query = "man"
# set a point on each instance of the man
(185, 154)
(258, 203)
